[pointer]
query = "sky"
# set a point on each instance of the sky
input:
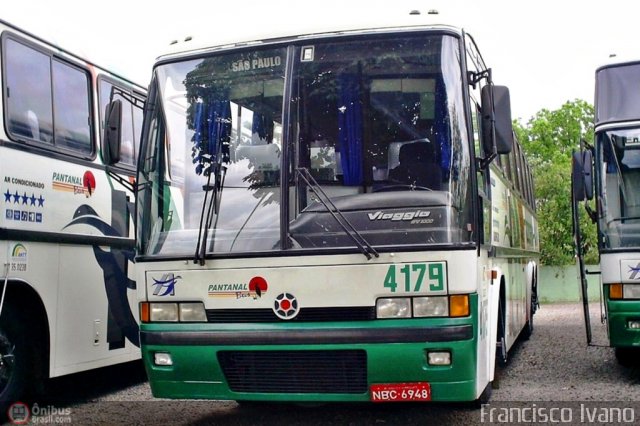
(545, 51)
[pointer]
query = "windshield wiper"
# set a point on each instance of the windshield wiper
(213, 167)
(212, 207)
(366, 248)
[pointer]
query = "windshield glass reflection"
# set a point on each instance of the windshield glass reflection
(620, 187)
(379, 123)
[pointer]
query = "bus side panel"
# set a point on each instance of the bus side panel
(486, 328)
(56, 197)
(97, 323)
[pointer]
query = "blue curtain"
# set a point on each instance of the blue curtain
(350, 129)
(209, 131)
(219, 122)
(198, 136)
(258, 126)
(441, 127)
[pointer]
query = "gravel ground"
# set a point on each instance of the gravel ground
(554, 368)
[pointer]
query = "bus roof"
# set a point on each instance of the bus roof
(297, 30)
(619, 60)
(64, 51)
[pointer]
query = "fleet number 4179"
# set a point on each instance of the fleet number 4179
(415, 277)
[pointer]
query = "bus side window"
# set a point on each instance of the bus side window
(72, 108)
(29, 105)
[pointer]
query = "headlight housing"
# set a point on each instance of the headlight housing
(192, 312)
(163, 312)
(393, 307)
(172, 312)
(624, 291)
(454, 305)
(631, 291)
(434, 306)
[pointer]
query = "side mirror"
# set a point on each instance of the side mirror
(581, 175)
(496, 119)
(112, 132)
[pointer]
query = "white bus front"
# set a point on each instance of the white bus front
(307, 225)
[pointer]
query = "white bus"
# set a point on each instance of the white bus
(66, 228)
(341, 215)
(612, 168)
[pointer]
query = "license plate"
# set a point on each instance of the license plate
(396, 392)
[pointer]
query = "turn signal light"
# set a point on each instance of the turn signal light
(615, 291)
(459, 305)
(144, 312)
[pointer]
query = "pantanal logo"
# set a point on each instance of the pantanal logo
(19, 252)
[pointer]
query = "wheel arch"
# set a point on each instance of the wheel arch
(23, 297)
(498, 292)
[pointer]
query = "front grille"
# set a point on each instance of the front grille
(353, 313)
(295, 371)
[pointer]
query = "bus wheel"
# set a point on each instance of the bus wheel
(502, 355)
(527, 331)
(15, 359)
(528, 327)
(627, 357)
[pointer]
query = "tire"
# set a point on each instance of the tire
(628, 357)
(527, 331)
(16, 358)
(502, 355)
(528, 327)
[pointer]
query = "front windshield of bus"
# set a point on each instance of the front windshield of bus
(619, 162)
(377, 122)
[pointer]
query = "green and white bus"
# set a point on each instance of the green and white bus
(611, 168)
(341, 215)
(67, 298)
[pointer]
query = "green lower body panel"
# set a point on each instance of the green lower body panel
(311, 361)
(619, 313)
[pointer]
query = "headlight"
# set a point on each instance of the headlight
(435, 306)
(192, 312)
(631, 291)
(393, 308)
(164, 312)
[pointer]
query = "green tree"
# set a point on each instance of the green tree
(549, 138)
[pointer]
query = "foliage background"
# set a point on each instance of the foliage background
(548, 139)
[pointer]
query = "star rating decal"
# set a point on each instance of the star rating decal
(24, 198)
(21, 207)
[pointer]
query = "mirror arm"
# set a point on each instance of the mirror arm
(591, 213)
(483, 163)
(586, 145)
(131, 186)
(132, 99)
(475, 77)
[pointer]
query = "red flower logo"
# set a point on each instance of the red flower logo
(257, 287)
(89, 182)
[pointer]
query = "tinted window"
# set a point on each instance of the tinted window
(29, 105)
(71, 106)
(48, 101)
(612, 87)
